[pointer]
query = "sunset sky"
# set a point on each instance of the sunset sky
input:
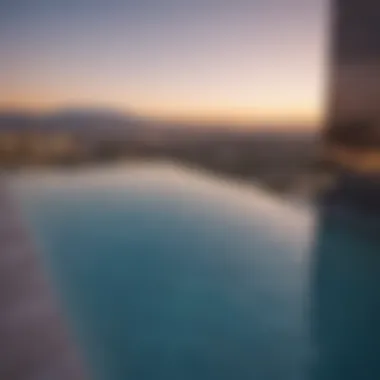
(244, 60)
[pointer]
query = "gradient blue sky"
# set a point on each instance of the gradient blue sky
(256, 60)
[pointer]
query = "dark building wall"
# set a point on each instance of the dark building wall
(352, 134)
(357, 32)
(354, 104)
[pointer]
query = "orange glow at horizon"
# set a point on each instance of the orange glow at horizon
(303, 116)
(279, 109)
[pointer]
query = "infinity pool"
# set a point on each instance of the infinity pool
(169, 274)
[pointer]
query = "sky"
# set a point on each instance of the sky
(241, 60)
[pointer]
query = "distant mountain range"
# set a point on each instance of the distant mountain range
(92, 121)
(80, 121)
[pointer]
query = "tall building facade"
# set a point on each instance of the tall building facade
(352, 135)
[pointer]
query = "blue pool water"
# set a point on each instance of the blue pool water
(169, 274)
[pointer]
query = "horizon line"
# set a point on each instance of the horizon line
(277, 121)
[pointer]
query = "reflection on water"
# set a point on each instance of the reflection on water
(172, 275)
(346, 299)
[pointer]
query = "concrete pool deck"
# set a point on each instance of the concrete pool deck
(35, 343)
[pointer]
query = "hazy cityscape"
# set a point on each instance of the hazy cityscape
(286, 161)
